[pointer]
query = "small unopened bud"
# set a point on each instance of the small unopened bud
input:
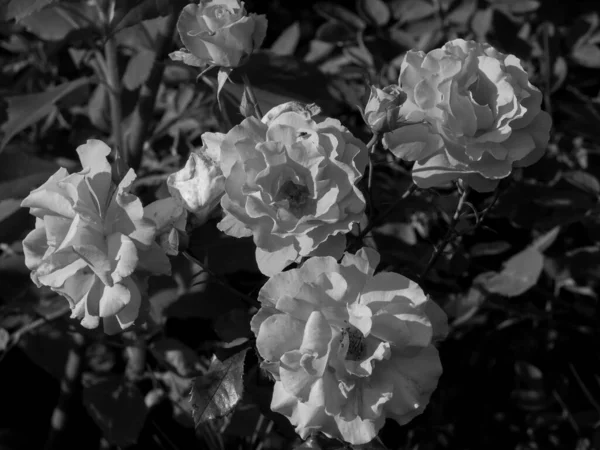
(246, 106)
(382, 112)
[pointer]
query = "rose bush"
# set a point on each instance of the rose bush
(348, 348)
(472, 113)
(218, 32)
(93, 241)
(290, 183)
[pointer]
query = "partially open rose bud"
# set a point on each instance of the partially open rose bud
(382, 112)
(199, 186)
(218, 32)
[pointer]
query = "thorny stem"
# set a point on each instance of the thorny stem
(449, 234)
(114, 86)
(411, 189)
(371, 149)
(70, 382)
(251, 96)
(219, 280)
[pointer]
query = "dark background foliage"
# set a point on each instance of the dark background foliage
(521, 362)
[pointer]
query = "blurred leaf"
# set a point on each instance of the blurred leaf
(98, 108)
(520, 273)
(4, 338)
(25, 110)
(587, 55)
(560, 71)
(118, 408)
(462, 307)
(335, 32)
(132, 12)
(56, 21)
(516, 6)
(318, 50)
(376, 11)
(543, 242)
(7, 208)
(489, 248)
(584, 181)
(138, 69)
(287, 42)
(217, 392)
(17, 9)
(177, 355)
(481, 23)
(462, 12)
(411, 10)
(143, 35)
(331, 11)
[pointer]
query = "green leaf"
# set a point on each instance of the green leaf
(118, 408)
(216, 393)
(587, 55)
(17, 9)
(287, 42)
(335, 32)
(138, 69)
(56, 21)
(25, 110)
(331, 11)
(176, 354)
(583, 180)
(132, 12)
(376, 11)
(520, 273)
(543, 242)
(4, 339)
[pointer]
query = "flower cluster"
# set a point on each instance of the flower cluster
(93, 242)
(472, 114)
(348, 348)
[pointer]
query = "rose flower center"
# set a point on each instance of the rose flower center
(356, 344)
(295, 194)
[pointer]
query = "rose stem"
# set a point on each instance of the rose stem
(144, 109)
(449, 234)
(114, 88)
(371, 149)
(68, 384)
(251, 96)
(220, 281)
(412, 188)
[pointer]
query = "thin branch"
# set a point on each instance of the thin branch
(114, 83)
(377, 220)
(251, 301)
(449, 234)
